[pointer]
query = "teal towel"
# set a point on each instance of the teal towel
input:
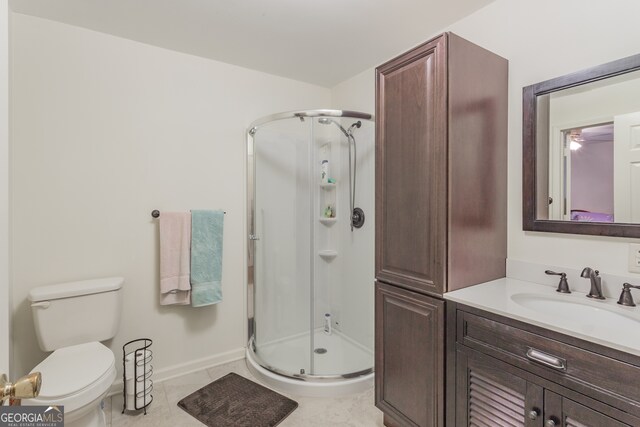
(206, 257)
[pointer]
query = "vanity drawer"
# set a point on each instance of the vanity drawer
(555, 360)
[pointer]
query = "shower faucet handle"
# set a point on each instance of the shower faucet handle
(563, 286)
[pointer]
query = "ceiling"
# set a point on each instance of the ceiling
(321, 42)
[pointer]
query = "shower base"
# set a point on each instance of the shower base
(342, 356)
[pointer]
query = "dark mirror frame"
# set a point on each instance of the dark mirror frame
(530, 168)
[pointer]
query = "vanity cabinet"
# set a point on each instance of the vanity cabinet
(573, 414)
(441, 188)
(495, 395)
(564, 382)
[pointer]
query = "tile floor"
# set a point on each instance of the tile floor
(352, 411)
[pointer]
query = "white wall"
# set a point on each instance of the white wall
(106, 130)
(356, 93)
(5, 302)
(542, 40)
(579, 106)
(539, 52)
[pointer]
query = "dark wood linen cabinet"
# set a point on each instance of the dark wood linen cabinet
(441, 188)
(409, 345)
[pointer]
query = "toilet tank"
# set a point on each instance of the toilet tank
(76, 312)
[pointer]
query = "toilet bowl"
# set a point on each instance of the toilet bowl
(77, 377)
(71, 319)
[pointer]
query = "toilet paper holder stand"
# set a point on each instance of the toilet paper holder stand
(136, 375)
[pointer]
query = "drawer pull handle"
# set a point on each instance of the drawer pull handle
(547, 359)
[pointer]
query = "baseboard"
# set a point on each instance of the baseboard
(174, 371)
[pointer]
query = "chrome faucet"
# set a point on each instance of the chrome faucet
(596, 283)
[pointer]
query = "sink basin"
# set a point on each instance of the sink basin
(576, 312)
(601, 322)
(572, 308)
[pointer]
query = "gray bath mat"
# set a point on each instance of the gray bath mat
(234, 401)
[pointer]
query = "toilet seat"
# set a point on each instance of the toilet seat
(75, 376)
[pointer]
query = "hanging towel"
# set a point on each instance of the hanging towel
(175, 238)
(206, 257)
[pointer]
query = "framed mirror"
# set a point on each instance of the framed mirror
(581, 152)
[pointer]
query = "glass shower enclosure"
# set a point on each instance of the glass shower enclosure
(310, 272)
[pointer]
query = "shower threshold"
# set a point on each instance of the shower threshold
(343, 356)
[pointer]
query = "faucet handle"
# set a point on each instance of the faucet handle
(626, 298)
(563, 286)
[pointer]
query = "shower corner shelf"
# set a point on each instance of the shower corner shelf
(328, 254)
(327, 221)
(328, 186)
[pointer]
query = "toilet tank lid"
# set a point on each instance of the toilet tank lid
(72, 289)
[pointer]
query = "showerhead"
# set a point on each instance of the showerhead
(347, 132)
(328, 120)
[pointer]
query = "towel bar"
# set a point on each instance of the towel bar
(156, 213)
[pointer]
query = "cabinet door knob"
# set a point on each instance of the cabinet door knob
(533, 414)
(550, 423)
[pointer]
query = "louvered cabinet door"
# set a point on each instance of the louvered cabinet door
(490, 396)
(567, 413)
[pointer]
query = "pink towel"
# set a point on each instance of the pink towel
(175, 241)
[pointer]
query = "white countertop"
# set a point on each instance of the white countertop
(602, 322)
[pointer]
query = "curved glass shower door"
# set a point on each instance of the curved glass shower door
(310, 270)
(282, 255)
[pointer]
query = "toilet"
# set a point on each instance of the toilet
(71, 319)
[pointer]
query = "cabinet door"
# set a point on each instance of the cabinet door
(489, 395)
(409, 361)
(562, 412)
(411, 169)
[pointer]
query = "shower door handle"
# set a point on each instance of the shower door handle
(253, 237)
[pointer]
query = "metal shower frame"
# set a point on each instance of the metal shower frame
(251, 131)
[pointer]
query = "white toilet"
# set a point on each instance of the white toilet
(70, 320)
